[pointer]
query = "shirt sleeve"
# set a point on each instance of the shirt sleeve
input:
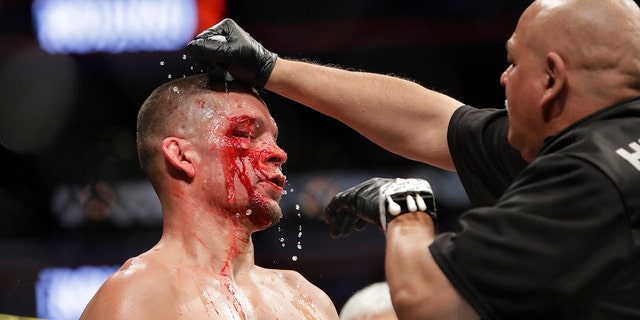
(485, 161)
(545, 241)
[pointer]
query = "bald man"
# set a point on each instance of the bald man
(210, 152)
(553, 177)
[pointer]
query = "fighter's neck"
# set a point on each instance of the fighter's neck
(219, 241)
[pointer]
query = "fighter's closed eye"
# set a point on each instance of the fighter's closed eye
(242, 132)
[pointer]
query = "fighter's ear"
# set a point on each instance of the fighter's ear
(554, 95)
(180, 155)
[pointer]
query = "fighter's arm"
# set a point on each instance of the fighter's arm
(399, 115)
(419, 289)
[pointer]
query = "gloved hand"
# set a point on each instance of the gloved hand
(378, 201)
(225, 46)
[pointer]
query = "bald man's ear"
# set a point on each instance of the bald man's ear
(554, 95)
(179, 154)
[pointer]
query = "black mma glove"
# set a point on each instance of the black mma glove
(378, 201)
(226, 46)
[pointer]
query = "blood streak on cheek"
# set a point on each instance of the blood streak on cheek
(236, 154)
(232, 166)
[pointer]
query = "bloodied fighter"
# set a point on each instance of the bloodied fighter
(554, 232)
(209, 149)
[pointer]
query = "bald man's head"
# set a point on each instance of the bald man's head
(588, 33)
(569, 58)
(600, 39)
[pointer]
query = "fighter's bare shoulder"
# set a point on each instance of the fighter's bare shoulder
(305, 292)
(140, 287)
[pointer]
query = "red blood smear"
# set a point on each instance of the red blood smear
(237, 152)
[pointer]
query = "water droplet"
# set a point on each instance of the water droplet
(169, 76)
(184, 57)
(299, 245)
(162, 63)
(283, 244)
(191, 68)
(294, 258)
(284, 192)
(228, 76)
(237, 214)
(300, 234)
(176, 90)
(281, 239)
(297, 207)
(291, 190)
(248, 212)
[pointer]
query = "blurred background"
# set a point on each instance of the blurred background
(74, 204)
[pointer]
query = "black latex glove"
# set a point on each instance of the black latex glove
(226, 46)
(377, 201)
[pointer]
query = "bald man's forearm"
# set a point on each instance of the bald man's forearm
(399, 115)
(419, 289)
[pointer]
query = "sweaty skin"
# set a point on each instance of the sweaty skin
(217, 171)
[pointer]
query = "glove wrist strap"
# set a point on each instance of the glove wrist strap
(387, 217)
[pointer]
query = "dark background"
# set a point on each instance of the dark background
(454, 46)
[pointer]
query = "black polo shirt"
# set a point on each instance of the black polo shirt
(558, 238)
